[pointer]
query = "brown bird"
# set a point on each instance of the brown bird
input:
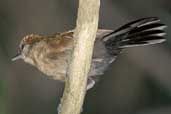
(50, 54)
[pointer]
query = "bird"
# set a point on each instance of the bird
(51, 54)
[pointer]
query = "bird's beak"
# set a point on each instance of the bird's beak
(18, 56)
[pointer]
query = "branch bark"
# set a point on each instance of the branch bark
(84, 37)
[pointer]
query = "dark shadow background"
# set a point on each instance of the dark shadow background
(139, 82)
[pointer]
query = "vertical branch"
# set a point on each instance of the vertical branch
(84, 37)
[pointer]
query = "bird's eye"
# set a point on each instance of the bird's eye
(21, 47)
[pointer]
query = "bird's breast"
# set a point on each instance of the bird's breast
(52, 63)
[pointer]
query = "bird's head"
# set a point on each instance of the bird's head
(26, 46)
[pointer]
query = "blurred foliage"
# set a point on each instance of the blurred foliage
(3, 97)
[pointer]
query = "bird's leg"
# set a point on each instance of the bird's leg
(90, 83)
(59, 107)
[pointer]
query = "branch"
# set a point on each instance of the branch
(84, 37)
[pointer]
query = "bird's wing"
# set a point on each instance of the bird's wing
(100, 33)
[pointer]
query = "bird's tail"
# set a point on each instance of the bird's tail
(141, 32)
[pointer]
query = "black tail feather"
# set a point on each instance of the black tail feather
(144, 31)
